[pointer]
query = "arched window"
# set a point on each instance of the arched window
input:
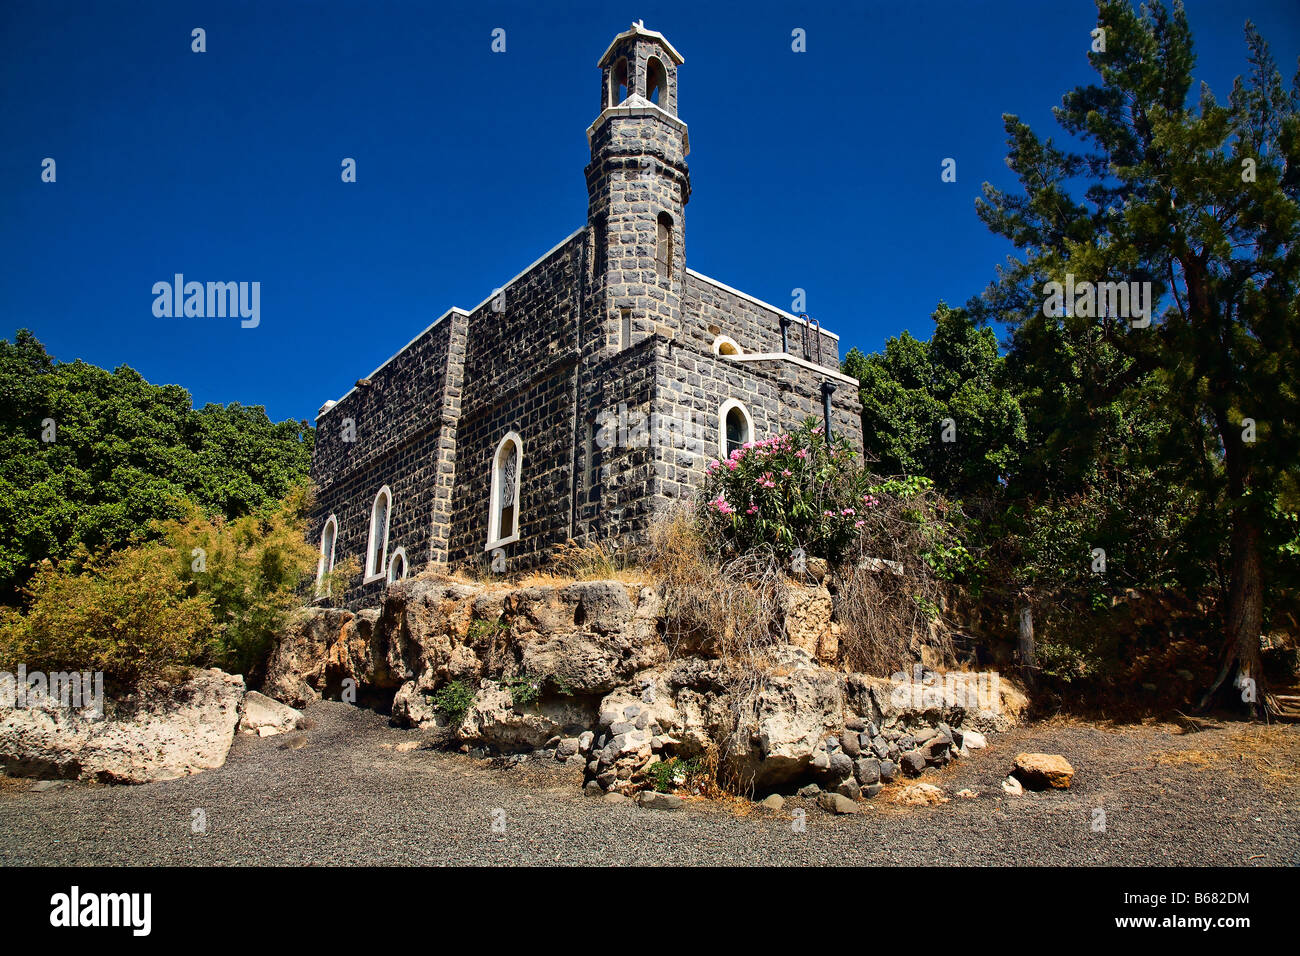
(656, 81)
(507, 465)
(377, 543)
(397, 565)
(328, 537)
(735, 427)
(618, 85)
(664, 246)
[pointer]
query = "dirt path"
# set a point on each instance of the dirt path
(347, 796)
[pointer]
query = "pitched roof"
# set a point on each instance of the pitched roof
(638, 30)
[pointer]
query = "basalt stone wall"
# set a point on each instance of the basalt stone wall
(707, 307)
(691, 387)
(637, 173)
(399, 437)
(519, 376)
(616, 453)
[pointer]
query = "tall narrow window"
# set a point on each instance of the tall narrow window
(325, 565)
(735, 427)
(625, 329)
(377, 544)
(599, 248)
(656, 81)
(618, 83)
(503, 521)
(664, 246)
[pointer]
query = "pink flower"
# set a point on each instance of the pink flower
(752, 510)
(801, 453)
(848, 512)
(859, 523)
(766, 480)
(828, 514)
(785, 473)
(719, 504)
(870, 501)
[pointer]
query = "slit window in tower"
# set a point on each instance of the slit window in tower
(664, 247)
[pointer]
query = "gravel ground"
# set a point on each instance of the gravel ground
(347, 796)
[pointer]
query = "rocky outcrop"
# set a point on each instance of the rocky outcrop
(157, 734)
(320, 649)
(582, 671)
(495, 720)
(808, 624)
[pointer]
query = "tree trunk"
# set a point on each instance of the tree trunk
(1245, 620)
(1028, 658)
(1245, 614)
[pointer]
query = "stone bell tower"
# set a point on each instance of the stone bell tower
(637, 189)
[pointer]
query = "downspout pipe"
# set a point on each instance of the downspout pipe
(828, 389)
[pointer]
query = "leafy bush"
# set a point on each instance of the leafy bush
(251, 568)
(793, 491)
(673, 773)
(452, 700)
(89, 458)
(210, 591)
(126, 613)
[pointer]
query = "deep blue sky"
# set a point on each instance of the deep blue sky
(818, 170)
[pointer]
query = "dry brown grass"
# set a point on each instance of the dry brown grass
(1267, 752)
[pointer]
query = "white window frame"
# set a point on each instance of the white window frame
(325, 564)
(494, 538)
(398, 552)
(372, 573)
(725, 409)
(722, 340)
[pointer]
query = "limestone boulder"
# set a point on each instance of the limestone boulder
(494, 720)
(295, 672)
(429, 631)
(412, 706)
(787, 720)
(1040, 771)
(590, 636)
(808, 624)
(158, 733)
(266, 717)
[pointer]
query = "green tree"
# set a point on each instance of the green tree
(89, 458)
(914, 392)
(1201, 200)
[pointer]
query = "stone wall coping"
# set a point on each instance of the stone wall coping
(459, 311)
(767, 305)
(636, 105)
(787, 357)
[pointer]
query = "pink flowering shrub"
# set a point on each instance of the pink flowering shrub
(788, 492)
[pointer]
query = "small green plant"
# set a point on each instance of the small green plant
(524, 688)
(452, 700)
(668, 775)
(562, 685)
(479, 630)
